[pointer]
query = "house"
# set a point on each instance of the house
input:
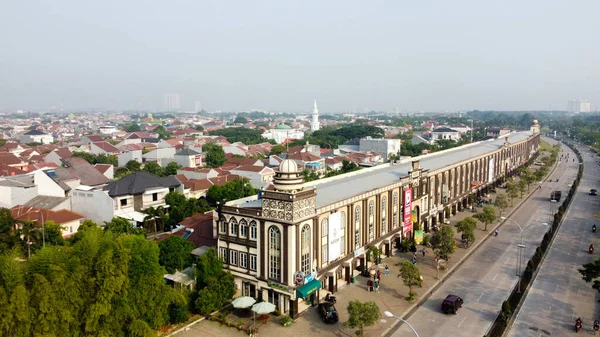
(334, 163)
(127, 197)
(160, 156)
(128, 153)
(244, 162)
(77, 171)
(69, 221)
(309, 161)
(58, 155)
(444, 134)
(50, 202)
(13, 161)
(259, 176)
(496, 132)
(386, 147)
(197, 173)
(203, 232)
(107, 129)
(106, 169)
(105, 148)
(188, 158)
(36, 136)
(175, 143)
(92, 139)
(17, 190)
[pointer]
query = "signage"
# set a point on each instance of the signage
(491, 170)
(407, 211)
(360, 251)
(335, 231)
(309, 278)
(418, 237)
(299, 277)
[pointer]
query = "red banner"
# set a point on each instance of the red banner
(408, 225)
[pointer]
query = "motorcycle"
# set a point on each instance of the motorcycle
(596, 326)
(330, 299)
(594, 229)
(591, 249)
(578, 324)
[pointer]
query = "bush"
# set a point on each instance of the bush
(426, 239)
(506, 311)
(286, 320)
(178, 313)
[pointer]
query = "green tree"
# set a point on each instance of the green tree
(162, 132)
(171, 169)
(215, 156)
(121, 172)
(527, 175)
(45, 318)
(590, 273)
(411, 276)
(118, 226)
(8, 238)
(361, 315)
(467, 228)
(32, 234)
(501, 202)
(513, 191)
(153, 168)
(277, 150)
(133, 166)
(232, 190)
(175, 253)
(240, 120)
(155, 219)
(487, 216)
(53, 233)
(240, 134)
(131, 127)
(175, 198)
(522, 186)
(443, 242)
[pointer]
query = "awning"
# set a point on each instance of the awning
(307, 289)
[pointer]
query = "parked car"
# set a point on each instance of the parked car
(328, 312)
(451, 304)
(593, 191)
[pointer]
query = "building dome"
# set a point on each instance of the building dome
(288, 166)
(282, 127)
(535, 121)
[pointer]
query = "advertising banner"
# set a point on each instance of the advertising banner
(491, 170)
(335, 233)
(408, 225)
(418, 237)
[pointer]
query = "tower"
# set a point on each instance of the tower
(314, 124)
(535, 127)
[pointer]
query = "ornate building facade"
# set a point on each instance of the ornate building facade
(296, 241)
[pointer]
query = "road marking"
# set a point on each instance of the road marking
(479, 297)
(507, 260)
(461, 322)
(494, 279)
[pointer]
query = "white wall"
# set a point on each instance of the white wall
(12, 196)
(127, 156)
(47, 186)
(52, 157)
(96, 205)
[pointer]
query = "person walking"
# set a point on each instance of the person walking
(387, 270)
(424, 251)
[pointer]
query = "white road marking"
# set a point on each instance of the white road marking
(549, 308)
(494, 279)
(507, 260)
(461, 322)
(479, 297)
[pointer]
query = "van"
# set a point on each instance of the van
(451, 304)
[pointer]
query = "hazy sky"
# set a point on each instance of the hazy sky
(280, 55)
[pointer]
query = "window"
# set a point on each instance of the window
(223, 254)
(274, 253)
(252, 262)
(324, 254)
(395, 209)
(223, 226)
(123, 202)
(154, 196)
(305, 250)
(243, 228)
(324, 237)
(233, 227)
(357, 227)
(324, 227)
(71, 229)
(253, 230)
(233, 257)
(383, 215)
(371, 220)
(243, 260)
(342, 234)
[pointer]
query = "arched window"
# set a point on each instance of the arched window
(371, 220)
(274, 253)
(223, 225)
(243, 228)
(395, 210)
(357, 227)
(383, 215)
(253, 230)
(324, 234)
(343, 234)
(305, 250)
(233, 226)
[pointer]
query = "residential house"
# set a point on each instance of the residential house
(175, 143)
(188, 158)
(49, 202)
(160, 156)
(444, 134)
(107, 129)
(259, 176)
(309, 161)
(496, 132)
(78, 171)
(197, 173)
(386, 147)
(105, 148)
(36, 136)
(89, 139)
(244, 162)
(69, 221)
(13, 161)
(128, 153)
(17, 190)
(106, 169)
(58, 155)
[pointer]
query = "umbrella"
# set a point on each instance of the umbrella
(262, 308)
(243, 302)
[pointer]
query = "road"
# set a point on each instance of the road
(558, 295)
(486, 279)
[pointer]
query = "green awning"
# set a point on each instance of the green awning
(307, 289)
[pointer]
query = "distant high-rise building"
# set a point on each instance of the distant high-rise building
(172, 102)
(197, 106)
(314, 124)
(578, 106)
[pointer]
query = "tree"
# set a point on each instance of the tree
(8, 237)
(241, 134)
(175, 253)
(216, 286)
(232, 190)
(487, 216)
(467, 227)
(155, 219)
(527, 174)
(31, 234)
(522, 186)
(153, 168)
(501, 202)
(131, 127)
(215, 156)
(361, 315)
(590, 273)
(53, 233)
(121, 172)
(133, 166)
(175, 198)
(411, 276)
(277, 150)
(118, 226)
(162, 132)
(171, 169)
(513, 191)
(443, 243)
(240, 120)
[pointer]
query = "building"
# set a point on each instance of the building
(296, 239)
(171, 102)
(444, 134)
(385, 147)
(496, 132)
(36, 136)
(68, 221)
(577, 106)
(314, 124)
(188, 158)
(107, 129)
(283, 132)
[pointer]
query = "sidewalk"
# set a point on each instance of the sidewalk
(391, 295)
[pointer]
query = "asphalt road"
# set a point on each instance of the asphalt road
(558, 295)
(486, 279)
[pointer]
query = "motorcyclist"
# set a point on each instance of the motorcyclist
(578, 324)
(496, 232)
(596, 325)
(591, 248)
(594, 228)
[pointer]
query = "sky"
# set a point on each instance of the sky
(419, 55)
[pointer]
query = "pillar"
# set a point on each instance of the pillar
(348, 272)
(331, 284)
(294, 308)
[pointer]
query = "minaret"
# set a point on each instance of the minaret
(314, 125)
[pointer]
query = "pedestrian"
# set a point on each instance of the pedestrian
(378, 275)
(377, 287)
(415, 256)
(424, 251)
(387, 270)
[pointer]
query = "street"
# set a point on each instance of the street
(559, 295)
(486, 279)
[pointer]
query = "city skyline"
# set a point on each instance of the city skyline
(351, 56)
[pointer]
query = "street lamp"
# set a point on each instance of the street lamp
(520, 248)
(471, 129)
(389, 314)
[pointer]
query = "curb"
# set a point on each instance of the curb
(185, 327)
(406, 314)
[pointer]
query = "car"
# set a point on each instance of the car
(593, 191)
(451, 304)
(328, 312)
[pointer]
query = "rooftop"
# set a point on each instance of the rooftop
(139, 182)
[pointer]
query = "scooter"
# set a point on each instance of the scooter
(594, 229)
(577, 327)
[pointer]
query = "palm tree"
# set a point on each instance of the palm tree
(30, 231)
(155, 217)
(150, 218)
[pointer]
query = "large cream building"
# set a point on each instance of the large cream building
(298, 241)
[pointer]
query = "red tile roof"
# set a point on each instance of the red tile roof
(103, 167)
(107, 147)
(39, 215)
(6, 171)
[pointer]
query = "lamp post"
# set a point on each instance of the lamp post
(389, 314)
(43, 228)
(520, 248)
(471, 130)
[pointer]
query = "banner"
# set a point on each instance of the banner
(408, 225)
(491, 170)
(418, 237)
(335, 233)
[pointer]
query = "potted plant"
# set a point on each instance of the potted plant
(286, 320)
